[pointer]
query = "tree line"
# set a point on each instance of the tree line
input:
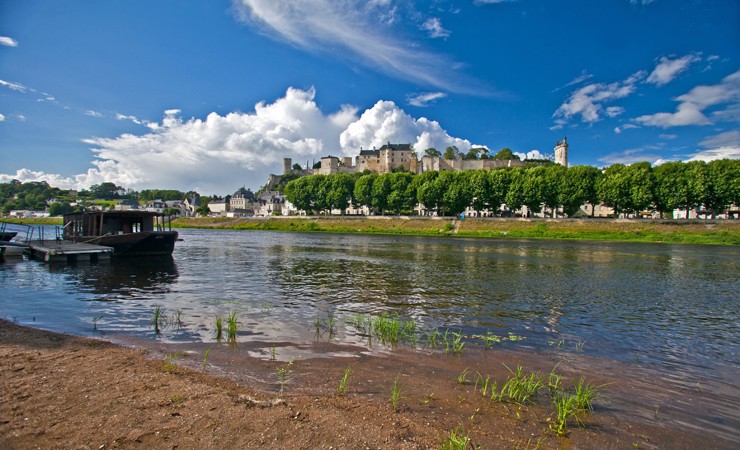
(554, 189)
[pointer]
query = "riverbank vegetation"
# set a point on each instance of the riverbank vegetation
(636, 189)
(722, 232)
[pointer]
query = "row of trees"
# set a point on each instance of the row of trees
(628, 189)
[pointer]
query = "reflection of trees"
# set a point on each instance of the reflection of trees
(126, 277)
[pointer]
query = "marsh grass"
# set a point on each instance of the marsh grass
(219, 328)
(205, 357)
(395, 394)
(169, 364)
(158, 319)
(585, 394)
(177, 319)
(484, 383)
(232, 326)
(283, 373)
(463, 377)
(456, 440)
(520, 388)
(273, 353)
(342, 388)
(95, 321)
(565, 408)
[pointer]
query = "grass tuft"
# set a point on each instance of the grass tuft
(342, 389)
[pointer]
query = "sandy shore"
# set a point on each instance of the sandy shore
(60, 391)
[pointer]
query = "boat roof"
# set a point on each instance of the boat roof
(127, 213)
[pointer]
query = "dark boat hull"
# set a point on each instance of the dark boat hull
(6, 236)
(136, 244)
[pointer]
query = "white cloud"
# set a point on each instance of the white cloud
(691, 109)
(588, 101)
(491, 2)
(716, 153)
(385, 122)
(92, 113)
(641, 2)
(220, 153)
(668, 137)
(626, 126)
(577, 80)
(668, 69)
(2, 118)
(726, 139)
(133, 119)
(532, 154)
(13, 86)
(359, 31)
(8, 41)
(630, 156)
(434, 27)
(424, 99)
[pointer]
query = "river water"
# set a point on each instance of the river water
(669, 309)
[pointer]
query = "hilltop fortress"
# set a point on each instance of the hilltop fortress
(391, 157)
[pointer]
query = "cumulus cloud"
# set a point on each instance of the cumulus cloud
(693, 104)
(433, 26)
(2, 118)
(358, 31)
(424, 99)
(588, 101)
(532, 154)
(385, 122)
(668, 69)
(92, 113)
(8, 41)
(220, 153)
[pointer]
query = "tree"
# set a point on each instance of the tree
(451, 152)
(456, 195)
(299, 193)
(554, 175)
(107, 191)
(613, 188)
(380, 192)
(640, 186)
(431, 151)
(515, 194)
(427, 192)
(505, 153)
(342, 187)
(60, 208)
(722, 185)
(578, 186)
(534, 188)
(671, 186)
(297, 166)
(363, 191)
(480, 186)
(473, 153)
(401, 197)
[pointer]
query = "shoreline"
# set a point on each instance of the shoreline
(704, 232)
(667, 231)
(60, 390)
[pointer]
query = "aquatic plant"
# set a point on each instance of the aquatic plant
(519, 388)
(95, 322)
(283, 373)
(232, 326)
(273, 353)
(177, 319)
(585, 394)
(205, 357)
(456, 440)
(565, 407)
(553, 382)
(463, 377)
(484, 382)
(157, 318)
(579, 346)
(219, 328)
(432, 338)
(169, 364)
(342, 389)
(395, 394)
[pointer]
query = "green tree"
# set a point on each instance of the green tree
(431, 151)
(299, 193)
(515, 194)
(60, 208)
(671, 186)
(577, 187)
(381, 191)
(363, 192)
(722, 185)
(480, 187)
(534, 188)
(296, 166)
(551, 195)
(452, 152)
(613, 188)
(499, 181)
(342, 187)
(505, 153)
(456, 195)
(427, 192)
(402, 196)
(640, 186)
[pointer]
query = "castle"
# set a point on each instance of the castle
(391, 157)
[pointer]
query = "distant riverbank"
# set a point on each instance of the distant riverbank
(717, 232)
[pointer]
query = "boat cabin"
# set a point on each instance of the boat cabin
(102, 223)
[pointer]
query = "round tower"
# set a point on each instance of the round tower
(561, 152)
(287, 165)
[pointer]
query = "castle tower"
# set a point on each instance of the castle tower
(561, 152)
(287, 165)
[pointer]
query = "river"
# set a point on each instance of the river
(672, 310)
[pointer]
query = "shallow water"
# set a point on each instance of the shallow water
(669, 310)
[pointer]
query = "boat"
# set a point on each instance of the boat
(129, 233)
(11, 243)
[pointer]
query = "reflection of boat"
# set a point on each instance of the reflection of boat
(129, 233)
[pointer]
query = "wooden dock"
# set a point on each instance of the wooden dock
(50, 250)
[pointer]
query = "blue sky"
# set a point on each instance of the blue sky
(212, 94)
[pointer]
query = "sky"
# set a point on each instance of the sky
(211, 95)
